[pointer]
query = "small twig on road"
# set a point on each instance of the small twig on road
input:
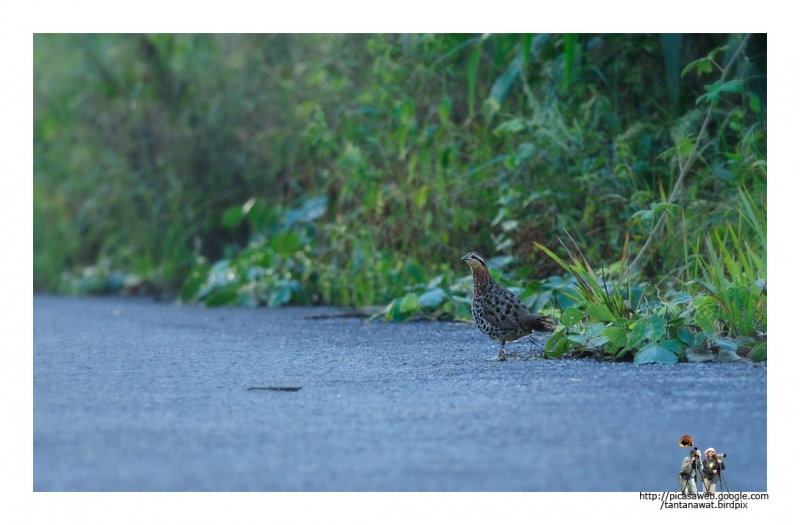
(278, 388)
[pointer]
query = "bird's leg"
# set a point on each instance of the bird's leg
(501, 356)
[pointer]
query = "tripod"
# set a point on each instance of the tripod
(723, 480)
(692, 479)
(707, 483)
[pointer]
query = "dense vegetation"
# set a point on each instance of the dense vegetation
(618, 181)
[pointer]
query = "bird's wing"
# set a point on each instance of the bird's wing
(503, 309)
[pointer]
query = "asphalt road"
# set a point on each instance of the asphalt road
(134, 395)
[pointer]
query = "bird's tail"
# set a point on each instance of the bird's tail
(539, 323)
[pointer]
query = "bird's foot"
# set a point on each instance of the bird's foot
(500, 357)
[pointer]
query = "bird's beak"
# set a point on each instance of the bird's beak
(464, 258)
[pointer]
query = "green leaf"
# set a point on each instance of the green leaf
(717, 88)
(503, 84)
(410, 303)
(524, 152)
(578, 338)
(193, 283)
(706, 312)
(755, 102)
(673, 345)
(759, 353)
(562, 346)
(654, 353)
(232, 216)
(571, 316)
(600, 312)
(553, 339)
(656, 328)
(644, 215)
(595, 329)
(432, 298)
(222, 296)
(281, 295)
(636, 335)
(726, 351)
(686, 335)
(658, 207)
(617, 338)
(703, 65)
(510, 126)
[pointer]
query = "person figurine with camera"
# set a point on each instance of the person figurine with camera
(688, 474)
(712, 468)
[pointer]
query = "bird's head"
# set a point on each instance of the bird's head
(475, 261)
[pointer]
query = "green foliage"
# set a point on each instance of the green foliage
(604, 323)
(731, 289)
(357, 169)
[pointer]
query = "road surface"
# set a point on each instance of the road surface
(135, 395)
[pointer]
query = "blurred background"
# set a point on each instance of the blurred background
(356, 169)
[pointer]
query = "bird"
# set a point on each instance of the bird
(498, 312)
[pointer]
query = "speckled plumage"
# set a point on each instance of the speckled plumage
(498, 312)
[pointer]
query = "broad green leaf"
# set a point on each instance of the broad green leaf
(686, 335)
(617, 338)
(700, 339)
(578, 338)
(595, 329)
(562, 346)
(600, 312)
(703, 65)
(410, 303)
(656, 328)
(654, 353)
(555, 338)
(706, 312)
(673, 345)
(432, 298)
(636, 335)
(571, 316)
(717, 88)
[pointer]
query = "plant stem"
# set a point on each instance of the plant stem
(685, 168)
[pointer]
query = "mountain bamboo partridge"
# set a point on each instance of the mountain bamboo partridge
(498, 312)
